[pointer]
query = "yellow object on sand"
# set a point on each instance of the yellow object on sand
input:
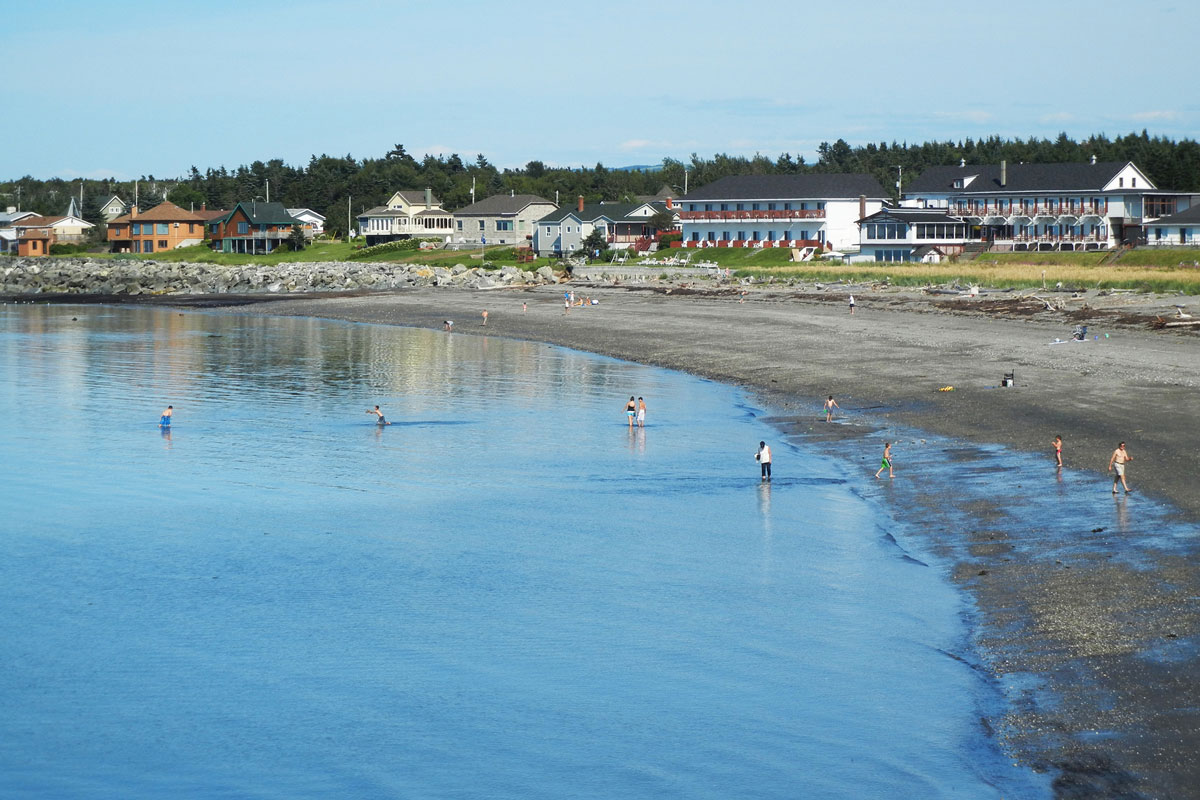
(946, 389)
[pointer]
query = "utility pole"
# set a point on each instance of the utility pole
(899, 181)
(268, 190)
(348, 199)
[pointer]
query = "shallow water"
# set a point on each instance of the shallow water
(505, 593)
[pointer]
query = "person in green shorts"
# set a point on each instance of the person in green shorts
(887, 461)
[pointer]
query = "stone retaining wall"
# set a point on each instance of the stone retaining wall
(19, 276)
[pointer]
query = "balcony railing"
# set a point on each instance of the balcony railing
(751, 243)
(1030, 210)
(734, 216)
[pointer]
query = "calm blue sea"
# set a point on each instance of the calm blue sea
(503, 594)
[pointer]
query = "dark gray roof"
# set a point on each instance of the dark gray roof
(1085, 177)
(499, 204)
(261, 214)
(913, 215)
(1189, 217)
(417, 197)
(593, 211)
(787, 187)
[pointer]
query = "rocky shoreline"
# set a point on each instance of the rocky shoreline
(136, 277)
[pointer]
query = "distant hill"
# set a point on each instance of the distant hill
(638, 168)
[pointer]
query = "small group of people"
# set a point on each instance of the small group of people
(635, 411)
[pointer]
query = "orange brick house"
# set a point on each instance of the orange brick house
(252, 228)
(164, 227)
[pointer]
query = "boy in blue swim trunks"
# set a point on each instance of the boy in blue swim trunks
(379, 414)
(165, 420)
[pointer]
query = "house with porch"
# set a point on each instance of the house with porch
(312, 223)
(253, 227)
(625, 226)
(816, 210)
(911, 234)
(1175, 230)
(1029, 207)
(501, 219)
(164, 227)
(406, 215)
(35, 234)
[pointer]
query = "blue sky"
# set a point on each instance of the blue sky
(124, 89)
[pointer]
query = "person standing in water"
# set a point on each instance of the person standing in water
(165, 420)
(378, 414)
(830, 405)
(631, 411)
(763, 457)
(485, 318)
(1058, 450)
(887, 461)
(1117, 462)
(641, 413)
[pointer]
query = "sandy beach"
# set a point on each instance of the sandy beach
(1102, 627)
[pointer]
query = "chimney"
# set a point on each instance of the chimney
(862, 206)
(133, 210)
(1093, 159)
(12, 209)
(428, 198)
(203, 206)
(1004, 173)
(962, 162)
(670, 205)
(580, 204)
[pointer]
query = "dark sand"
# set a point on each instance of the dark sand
(1102, 629)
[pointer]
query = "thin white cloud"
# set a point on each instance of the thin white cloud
(1058, 116)
(636, 144)
(967, 116)
(1155, 116)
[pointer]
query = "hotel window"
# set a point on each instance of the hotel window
(738, 207)
(725, 236)
(504, 225)
(770, 206)
(724, 206)
(162, 244)
(136, 229)
(787, 235)
(754, 235)
(480, 224)
(161, 229)
(459, 221)
(754, 206)
(148, 247)
(547, 230)
(741, 236)
(695, 236)
(787, 206)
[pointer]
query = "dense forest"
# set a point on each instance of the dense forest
(332, 185)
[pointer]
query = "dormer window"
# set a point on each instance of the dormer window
(958, 183)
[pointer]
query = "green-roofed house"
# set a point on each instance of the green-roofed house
(626, 225)
(253, 227)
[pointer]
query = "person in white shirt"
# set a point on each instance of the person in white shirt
(763, 457)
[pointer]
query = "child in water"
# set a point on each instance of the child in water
(379, 414)
(165, 420)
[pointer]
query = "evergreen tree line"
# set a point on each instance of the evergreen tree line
(334, 185)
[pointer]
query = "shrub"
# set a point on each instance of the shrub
(665, 239)
(67, 249)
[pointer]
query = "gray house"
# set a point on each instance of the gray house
(501, 219)
(625, 225)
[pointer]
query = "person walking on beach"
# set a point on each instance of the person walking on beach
(524, 307)
(1058, 450)
(165, 420)
(485, 318)
(763, 457)
(641, 413)
(631, 411)
(378, 414)
(1116, 465)
(830, 405)
(887, 461)
(851, 304)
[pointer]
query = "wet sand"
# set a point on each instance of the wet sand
(1091, 626)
